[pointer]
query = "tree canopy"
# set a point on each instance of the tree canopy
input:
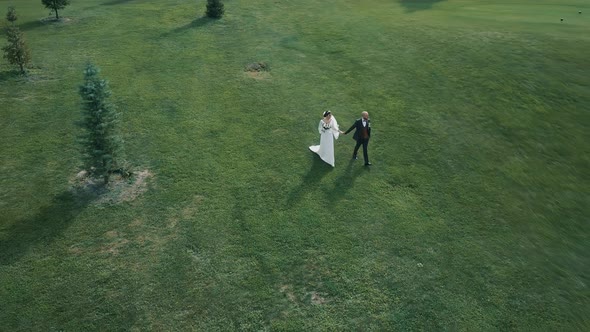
(101, 144)
(16, 50)
(55, 5)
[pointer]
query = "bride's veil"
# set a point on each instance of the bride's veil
(335, 129)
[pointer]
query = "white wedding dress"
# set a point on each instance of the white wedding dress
(328, 133)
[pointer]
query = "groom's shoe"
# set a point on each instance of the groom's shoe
(368, 164)
(355, 158)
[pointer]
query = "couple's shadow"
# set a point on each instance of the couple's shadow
(345, 181)
(312, 181)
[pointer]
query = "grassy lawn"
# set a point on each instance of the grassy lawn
(474, 216)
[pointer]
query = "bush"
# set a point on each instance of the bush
(16, 51)
(11, 15)
(214, 9)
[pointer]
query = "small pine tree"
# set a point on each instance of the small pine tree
(16, 51)
(214, 9)
(11, 15)
(102, 147)
(54, 5)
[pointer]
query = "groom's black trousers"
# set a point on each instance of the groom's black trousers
(365, 144)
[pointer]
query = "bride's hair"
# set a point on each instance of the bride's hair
(326, 113)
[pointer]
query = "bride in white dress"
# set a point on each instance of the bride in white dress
(329, 131)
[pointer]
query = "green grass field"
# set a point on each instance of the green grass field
(474, 216)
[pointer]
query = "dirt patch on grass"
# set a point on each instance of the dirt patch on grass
(137, 187)
(257, 70)
(286, 289)
(262, 75)
(136, 223)
(119, 189)
(75, 250)
(34, 74)
(114, 247)
(116, 243)
(61, 20)
(317, 299)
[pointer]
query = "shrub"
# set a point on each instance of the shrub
(214, 9)
(16, 51)
(11, 15)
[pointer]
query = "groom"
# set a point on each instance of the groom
(362, 134)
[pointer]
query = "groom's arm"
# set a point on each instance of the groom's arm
(351, 128)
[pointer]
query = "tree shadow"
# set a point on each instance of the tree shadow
(115, 2)
(310, 181)
(346, 181)
(9, 74)
(31, 25)
(197, 23)
(45, 226)
(416, 5)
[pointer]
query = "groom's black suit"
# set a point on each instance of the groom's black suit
(362, 135)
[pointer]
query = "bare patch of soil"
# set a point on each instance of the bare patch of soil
(136, 223)
(286, 289)
(114, 247)
(61, 20)
(75, 250)
(258, 75)
(136, 188)
(119, 189)
(317, 299)
(258, 70)
(116, 243)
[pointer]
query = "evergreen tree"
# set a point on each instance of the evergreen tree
(214, 8)
(102, 147)
(16, 51)
(54, 5)
(11, 15)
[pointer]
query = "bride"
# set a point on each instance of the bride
(329, 131)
